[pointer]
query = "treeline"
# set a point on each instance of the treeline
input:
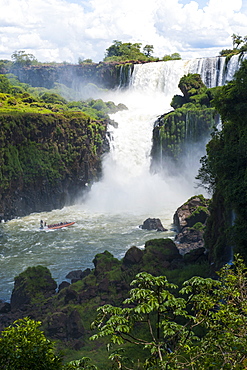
(118, 52)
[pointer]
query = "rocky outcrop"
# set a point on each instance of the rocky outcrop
(47, 160)
(190, 221)
(31, 287)
(153, 224)
(67, 312)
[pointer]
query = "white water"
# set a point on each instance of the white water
(109, 216)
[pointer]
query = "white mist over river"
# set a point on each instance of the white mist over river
(109, 215)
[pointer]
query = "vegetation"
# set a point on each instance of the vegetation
(223, 170)
(203, 326)
(24, 347)
(127, 51)
(192, 120)
(21, 58)
(44, 137)
(119, 52)
(199, 326)
(237, 40)
(174, 56)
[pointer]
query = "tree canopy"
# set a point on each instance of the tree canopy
(202, 326)
(120, 51)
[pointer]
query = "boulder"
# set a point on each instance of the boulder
(32, 287)
(77, 275)
(132, 256)
(160, 254)
(104, 262)
(4, 307)
(153, 224)
(64, 284)
(193, 211)
(189, 239)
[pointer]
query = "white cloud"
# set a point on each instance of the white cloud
(59, 30)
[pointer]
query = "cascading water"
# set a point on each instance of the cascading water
(127, 184)
(109, 216)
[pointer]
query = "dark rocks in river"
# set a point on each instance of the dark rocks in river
(153, 224)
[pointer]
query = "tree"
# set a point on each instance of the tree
(236, 40)
(203, 326)
(174, 56)
(21, 58)
(23, 346)
(125, 51)
(148, 50)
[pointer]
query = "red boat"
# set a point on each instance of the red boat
(60, 225)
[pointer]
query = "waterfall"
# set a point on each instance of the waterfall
(127, 184)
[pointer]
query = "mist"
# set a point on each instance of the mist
(127, 184)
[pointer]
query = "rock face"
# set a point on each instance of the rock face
(190, 220)
(104, 75)
(47, 160)
(153, 224)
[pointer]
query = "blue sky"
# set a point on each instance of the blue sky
(66, 30)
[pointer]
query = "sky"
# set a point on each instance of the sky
(66, 30)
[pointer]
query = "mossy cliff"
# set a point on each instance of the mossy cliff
(191, 122)
(46, 159)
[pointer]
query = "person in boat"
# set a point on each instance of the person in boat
(41, 224)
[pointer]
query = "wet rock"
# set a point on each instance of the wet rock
(132, 256)
(153, 224)
(193, 211)
(4, 307)
(77, 275)
(64, 284)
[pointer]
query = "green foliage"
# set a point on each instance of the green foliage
(224, 167)
(5, 86)
(119, 52)
(237, 40)
(53, 98)
(83, 364)
(192, 120)
(24, 347)
(21, 58)
(199, 226)
(174, 56)
(203, 326)
(148, 50)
